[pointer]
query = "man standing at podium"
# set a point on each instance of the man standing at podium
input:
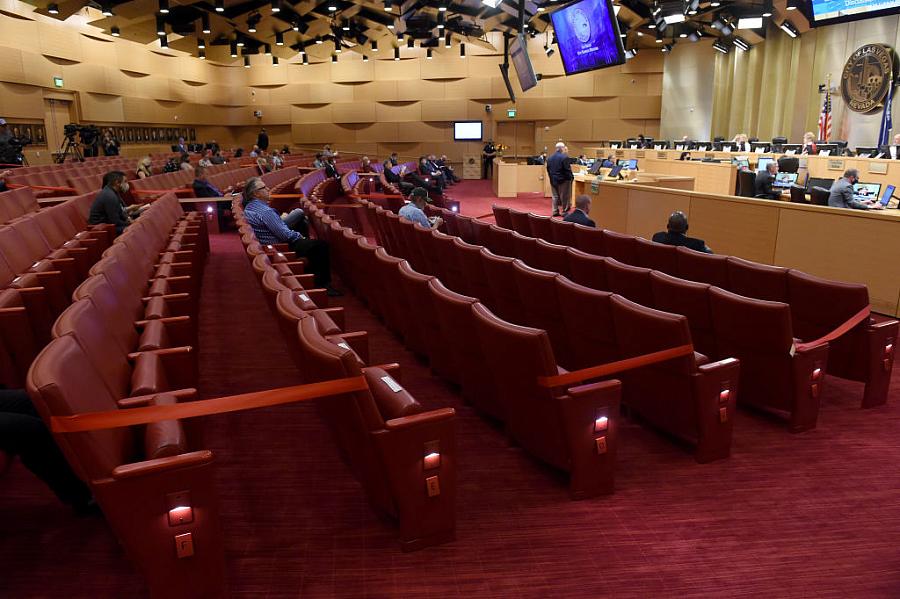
(559, 170)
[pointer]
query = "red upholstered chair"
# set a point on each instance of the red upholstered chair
(562, 233)
(701, 267)
(523, 248)
(540, 227)
(417, 324)
(587, 316)
(430, 261)
(589, 240)
(500, 241)
(404, 456)
(386, 294)
(686, 397)
(632, 282)
(775, 377)
(451, 224)
(587, 269)
(504, 297)
(475, 282)
(866, 352)
(657, 256)
(22, 332)
(466, 227)
(756, 280)
(552, 257)
(620, 246)
(480, 233)
(537, 290)
(451, 272)
(400, 249)
(690, 299)
(135, 472)
(501, 216)
(520, 222)
(573, 429)
(414, 253)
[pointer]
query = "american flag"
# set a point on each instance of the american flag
(825, 116)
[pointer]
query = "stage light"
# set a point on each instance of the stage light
(462, 50)
(234, 49)
(276, 5)
(106, 11)
(246, 62)
(720, 47)
(163, 42)
(396, 53)
(160, 26)
(274, 61)
(740, 44)
(789, 29)
(374, 46)
(204, 23)
(279, 38)
(220, 5)
(114, 31)
(428, 54)
(201, 43)
(53, 9)
(201, 55)
(163, 7)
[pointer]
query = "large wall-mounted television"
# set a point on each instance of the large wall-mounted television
(518, 55)
(587, 34)
(828, 12)
(468, 130)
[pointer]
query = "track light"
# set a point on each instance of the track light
(791, 5)
(234, 49)
(767, 8)
(410, 43)
(346, 25)
(163, 42)
(365, 58)
(740, 44)
(447, 40)
(374, 46)
(201, 54)
(443, 6)
(201, 43)
(428, 54)
(318, 40)
(695, 36)
(789, 28)
(629, 54)
(332, 6)
(106, 10)
(240, 40)
(276, 6)
(549, 50)
(462, 50)
(163, 7)
(114, 31)
(279, 38)
(396, 53)
(718, 46)
(53, 9)
(666, 48)
(305, 59)
(334, 58)
(388, 6)
(659, 37)
(220, 5)
(391, 25)
(274, 61)
(268, 50)
(204, 23)
(160, 26)
(246, 62)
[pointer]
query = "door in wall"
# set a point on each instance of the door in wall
(518, 136)
(57, 114)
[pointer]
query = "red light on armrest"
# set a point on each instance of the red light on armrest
(888, 349)
(600, 443)
(601, 424)
(432, 460)
(816, 373)
(182, 514)
(724, 395)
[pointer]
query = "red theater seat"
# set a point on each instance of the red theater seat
(520, 222)
(620, 247)
(589, 240)
(552, 257)
(504, 296)
(537, 290)
(501, 216)
(587, 269)
(756, 280)
(657, 256)
(702, 267)
(562, 233)
(540, 227)
(632, 282)
(690, 299)
(470, 262)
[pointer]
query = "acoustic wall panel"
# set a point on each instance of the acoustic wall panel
(354, 112)
(399, 112)
(378, 91)
(351, 69)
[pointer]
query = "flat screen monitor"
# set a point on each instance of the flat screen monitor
(741, 163)
(866, 152)
(888, 194)
(866, 191)
(630, 164)
(595, 168)
(819, 182)
(827, 12)
(760, 147)
(518, 55)
(587, 34)
(762, 163)
(828, 149)
(791, 148)
(468, 130)
(614, 171)
(784, 180)
(615, 144)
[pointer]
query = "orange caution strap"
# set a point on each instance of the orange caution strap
(91, 421)
(846, 326)
(584, 374)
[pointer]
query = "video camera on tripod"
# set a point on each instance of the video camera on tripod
(88, 133)
(11, 152)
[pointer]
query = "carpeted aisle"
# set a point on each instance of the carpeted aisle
(809, 515)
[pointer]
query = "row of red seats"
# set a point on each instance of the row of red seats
(403, 455)
(43, 257)
(586, 327)
(180, 181)
(123, 344)
(817, 306)
(573, 428)
(17, 202)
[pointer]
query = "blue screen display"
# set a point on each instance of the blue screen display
(588, 36)
(827, 10)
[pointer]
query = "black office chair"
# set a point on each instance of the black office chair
(777, 143)
(819, 196)
(718, 139)
(753, 140)
(788, 164)
(746, 184)
(841, 146)
(798, 195)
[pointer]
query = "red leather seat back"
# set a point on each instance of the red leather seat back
(520, 222)
(759, 281)
(552, 257)
(657, 256)
(411, 244)
(480, 233)
(540, 227)
(400, 248)
(501, 216)
(502, 282)
(451, 272)
(32, 238)
(500, 241)
(475, 280)
(537, 290)
(387, 295)
(523, 248)
(418, 323)
(587, 269)
(561, 232)
(466, 227)
(589, 240)
(690, 299)
(620, 246)
(702, 267)
(430, 262)
(587, 316)
(632, 282)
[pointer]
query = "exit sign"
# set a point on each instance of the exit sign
(57, 82)
(511, 113)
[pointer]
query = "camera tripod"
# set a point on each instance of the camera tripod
(69, 148)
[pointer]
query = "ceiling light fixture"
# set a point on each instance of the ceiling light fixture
(428, 54)
(234, 49)
(268, 50)
(443, 6)
(246, 62)
(388, 6)
(276, 6)
(740, 44)
(789, 28)
(673, 18)
(201, 43)
(750, 23)
(397, 53)
(114, 31)
(491, 3)
(718, 46)
(791, 5)
(374, 46)
(204, 23)
(447, 40)
(391, 25)
(318, 40)
(767, 8)
(53, 9)
(220, 5)
(365, 58)
(274, 61)
(667, 48)
(201, 55)
(462, 50)
(346, 25)
(279, 38)
(160, 26)
(334, 58)
(106, 10)
(332, 7)
(163, 7)
(163, 42)
(410, 43)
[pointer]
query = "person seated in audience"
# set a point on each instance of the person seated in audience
(809, 144)
(143, 168)
(319, 162)
(254, 152)
(841, 193)
(270, 228)
(328, 153)
(110, 143)
(109, 208)
(740, 143)
(217, 158)
(285, 150)
(394, 159)
(239, 152)
(5, 133)
(3, 176)
(263, 162)
(641, 141)
(685, 156)
(579, 216)
(891, 151)
(331, 169)
(396, 179)
(214, 146)
(276, 161)
(23, 434)
(445, 166)
(428, 172)
(181, 147)
(186, 163)
(206, 160)
(762, 187)
(171, 166)
(434, 164)
(675, 234)
(414, 211)
(365, 165)
(203, 188)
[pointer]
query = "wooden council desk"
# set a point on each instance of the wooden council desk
(721, 177)
(834, 243)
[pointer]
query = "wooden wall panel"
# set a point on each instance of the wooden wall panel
(330, 92)
(443, 110)
(11, 67)
(645, 62)
(640, 107)
(420, 90)
(61, 42)
(354, 112)
(474, 89)
(377, 91)
(263, 72)
(311, 113)
(592, 107)
(398, 112)
(378, 132)
(349, 70)
(101, 107)
(18, 33)
(398, 70)
(444, 66)
(292, 93)
(21, 101)
(424, 132)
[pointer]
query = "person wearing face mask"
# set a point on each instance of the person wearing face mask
(109, 208)
(841, 194)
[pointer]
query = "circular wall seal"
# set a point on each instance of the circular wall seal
(867, 76)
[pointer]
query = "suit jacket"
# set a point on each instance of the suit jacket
(579, 218)
(811, 149)
(262, 140)
(108, 209)
(762, 188)
(559, 168)
(331, 170)
(691, 243)
(205, 189)
(886, 150)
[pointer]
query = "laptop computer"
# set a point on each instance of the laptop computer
(888, 194)
(614, 171)
(784, 180)
(762, 163)
(819, 182)
(742, 163)
(595, 167)
(866, 191)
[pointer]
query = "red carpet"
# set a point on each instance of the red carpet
(809, 515)
(476, 199)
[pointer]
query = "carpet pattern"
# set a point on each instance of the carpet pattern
(808, 515)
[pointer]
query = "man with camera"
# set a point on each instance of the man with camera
(11, 146)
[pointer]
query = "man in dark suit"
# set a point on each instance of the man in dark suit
(108, 207)
(762, 187)
(675, 234)
(396, 179)
(559, 170)
(892, 151)
(331, 170)
(579, 216)
(262, 140)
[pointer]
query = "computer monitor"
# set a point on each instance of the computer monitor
(819, 182)
(614, 171)
(595, 167)
(866, 152)
(888, 194)
(630, 164)
(759, 147)
(828, 149)
(703, 146)
(763, 163)
(661, 144)
(791, 148)
(615, 144)
(784, 180)
(866, 191)
(741, 163)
